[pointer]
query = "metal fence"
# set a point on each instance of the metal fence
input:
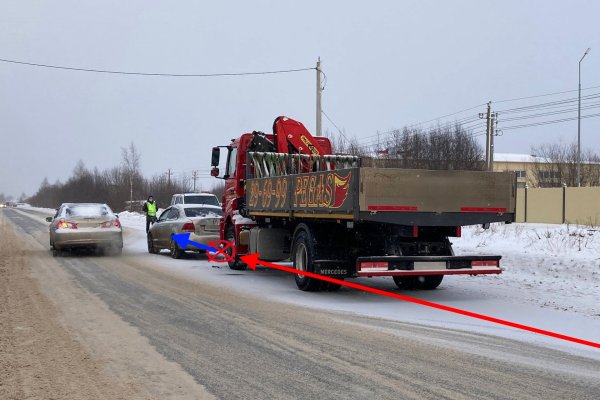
(572, 205)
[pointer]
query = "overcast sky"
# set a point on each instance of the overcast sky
(388, 64)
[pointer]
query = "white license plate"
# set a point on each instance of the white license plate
(429, 265)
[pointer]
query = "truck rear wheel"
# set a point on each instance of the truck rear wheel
(406, 282)
(303, 255)
(236, 264)
(429, 282)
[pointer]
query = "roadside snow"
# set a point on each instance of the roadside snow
(554, 266)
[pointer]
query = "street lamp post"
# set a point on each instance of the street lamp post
(579, 123)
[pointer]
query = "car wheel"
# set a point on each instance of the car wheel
(55, 252)
(176, 252)
(151, 247)
(236, 264)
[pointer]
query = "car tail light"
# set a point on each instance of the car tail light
(66, 225)
(110, 224)
(188, 227)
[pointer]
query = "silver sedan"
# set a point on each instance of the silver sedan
(200, 221)
(85, 225)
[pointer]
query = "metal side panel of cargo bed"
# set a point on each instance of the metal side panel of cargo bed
(436, 198)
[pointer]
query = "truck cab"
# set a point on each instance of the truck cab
(235, 219)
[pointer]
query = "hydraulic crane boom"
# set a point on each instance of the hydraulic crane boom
(293, 138)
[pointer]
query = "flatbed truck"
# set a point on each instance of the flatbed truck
(289, 198)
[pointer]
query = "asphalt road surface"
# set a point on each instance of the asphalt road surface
(197, 340)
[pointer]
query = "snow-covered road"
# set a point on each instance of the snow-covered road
(551, 281)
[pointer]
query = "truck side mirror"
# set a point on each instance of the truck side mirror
(214, 172)
(214, 162)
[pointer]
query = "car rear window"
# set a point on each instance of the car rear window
(202, 212)
(209, 200)
(88, 210)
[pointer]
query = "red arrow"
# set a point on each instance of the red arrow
(252, 260)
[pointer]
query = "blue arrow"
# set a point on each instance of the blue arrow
(183, 240)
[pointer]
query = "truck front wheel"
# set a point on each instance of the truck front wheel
(303, 255)
(236, 264)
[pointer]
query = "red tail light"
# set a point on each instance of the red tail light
(110, 224)
(188, 227)
(62, 224)
(485, 263)
(366, 265)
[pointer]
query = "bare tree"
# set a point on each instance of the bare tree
(445, 147)
(556, 164)
(131, 165)
(218, 189)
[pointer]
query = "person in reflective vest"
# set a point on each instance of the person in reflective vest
(150, 208)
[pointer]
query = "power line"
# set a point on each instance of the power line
(464, 120)
(102, 71)
(555, 112)
(551, 104)
(543, 95)
(333, 123)
(448, 115)
(556, 121)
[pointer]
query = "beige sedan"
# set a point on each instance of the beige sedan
(85, 225)
(200, 221)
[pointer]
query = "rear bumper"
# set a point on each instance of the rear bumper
(427, 265)
(203, 238)
(64, 238)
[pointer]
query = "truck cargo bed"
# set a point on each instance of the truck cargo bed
(393, 195)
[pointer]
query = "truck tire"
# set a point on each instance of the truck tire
(406, 282)
(303, 254)
(424, 282)
(429, 282)
(331, 287)
(236, 264)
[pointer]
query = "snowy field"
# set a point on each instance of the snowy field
(551, 281)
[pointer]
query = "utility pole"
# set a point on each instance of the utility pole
(319, 90)
(488, 135)
(579, 123)
(493, 129)
(194, 177)
(169, 177)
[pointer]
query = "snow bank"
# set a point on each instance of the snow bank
(556, 266)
